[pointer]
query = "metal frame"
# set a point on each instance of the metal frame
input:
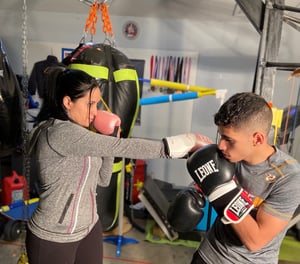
(267, 18)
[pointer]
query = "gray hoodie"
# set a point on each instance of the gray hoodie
(71, 161)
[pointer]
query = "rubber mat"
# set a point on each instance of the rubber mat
(290, 250)
(154, 237)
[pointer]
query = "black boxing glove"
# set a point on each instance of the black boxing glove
(214, 174)
(185, 212)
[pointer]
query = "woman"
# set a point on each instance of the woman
(72, 160)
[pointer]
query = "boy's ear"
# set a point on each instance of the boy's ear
(258, 138)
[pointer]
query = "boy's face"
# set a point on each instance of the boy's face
(236, 144)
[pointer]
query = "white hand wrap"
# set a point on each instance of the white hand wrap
(179, 146)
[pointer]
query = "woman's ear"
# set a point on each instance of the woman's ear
(67, 102)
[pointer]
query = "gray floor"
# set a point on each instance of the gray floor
(143, 252)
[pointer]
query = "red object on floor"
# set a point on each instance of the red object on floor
(14, 189)
(138, 179)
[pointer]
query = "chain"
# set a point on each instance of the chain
(91, 21)
(107, 25)
(24, 50)
(26, 161)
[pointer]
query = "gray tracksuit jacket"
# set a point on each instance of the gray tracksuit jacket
(71, 161)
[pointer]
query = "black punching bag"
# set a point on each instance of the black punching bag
(120, 91)
(11, 107)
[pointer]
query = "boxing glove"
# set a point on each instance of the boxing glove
(107, 123)
(181, 145)
(214, 174)
(185, 211)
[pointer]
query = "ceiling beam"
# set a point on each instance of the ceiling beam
(254, 10)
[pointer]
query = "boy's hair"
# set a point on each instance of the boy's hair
(245, 109)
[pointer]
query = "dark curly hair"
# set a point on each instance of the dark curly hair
(61, 81)
(245, 109)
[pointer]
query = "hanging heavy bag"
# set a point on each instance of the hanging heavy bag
(11, 107)
(120, 91)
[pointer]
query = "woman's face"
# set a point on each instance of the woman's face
(84, 109)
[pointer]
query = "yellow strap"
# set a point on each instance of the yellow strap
(276, 122)
(117, 166)
(129, 75)
(95, 71)
(125, 75)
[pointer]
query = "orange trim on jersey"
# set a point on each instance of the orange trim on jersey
(257, 202)
(277, 212)
(278, 168)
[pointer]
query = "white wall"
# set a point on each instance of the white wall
(224, 57)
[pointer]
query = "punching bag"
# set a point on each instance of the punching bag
(121, 93)
(11, 107)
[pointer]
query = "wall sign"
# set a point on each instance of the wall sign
(130, 30)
